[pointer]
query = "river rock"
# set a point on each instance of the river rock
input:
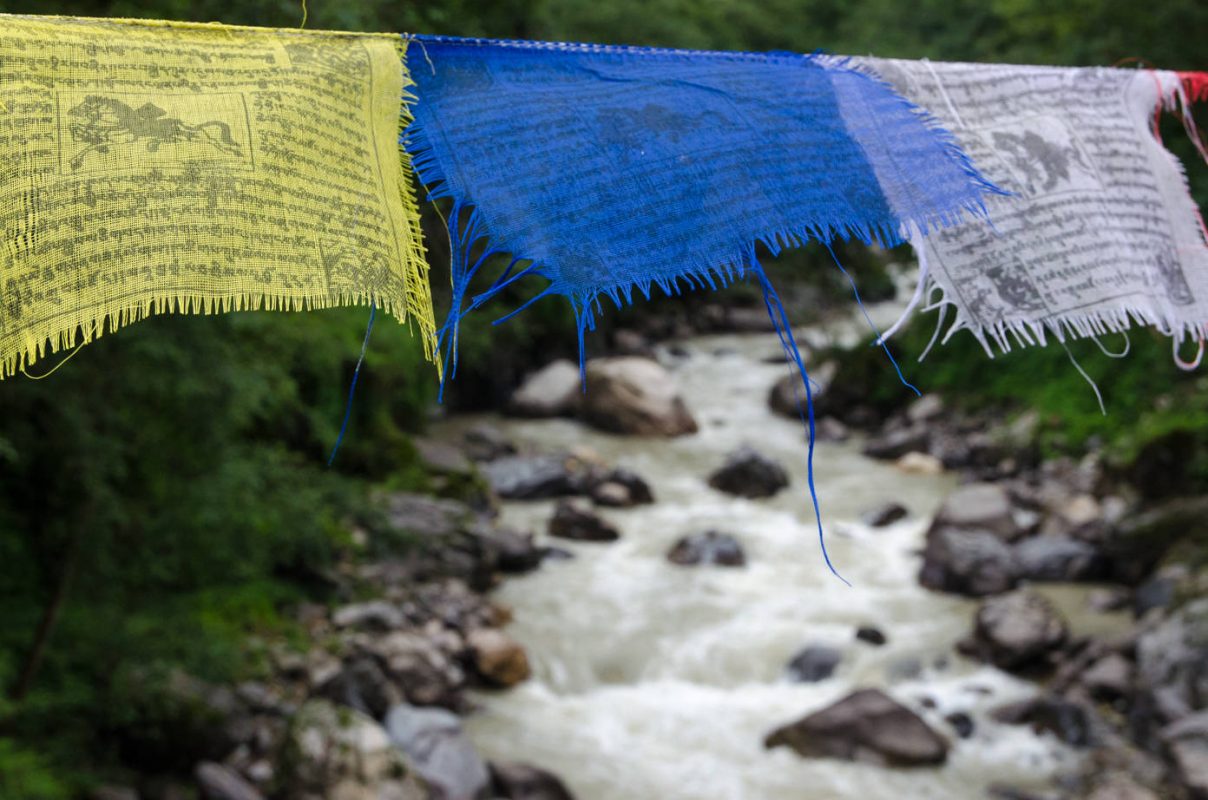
(969, 562)
(787, 395)
(533, 477)
(871, 635)
(749, 473)
(914, 463)
(895, 443)
(341, 754)
(961, 723)
(814, 663)
(514, 781)
(486, 442)
(1058, 558)
(575, 520)
(925, 409)
(426, 672)
(1110, 678)
(1018, 631)
(498, 657)
(867, 726)
(885, 514)
(552, 391)
(621, 488)
(632, 395)
(1172, 662)
(217, 782)
(442, 755)
(710, 547)
(375, 615)
(515, 552)
(1136, 543)
(361, 684)
(978, 506)
(1187, 744)
(424, 516)
(1068, 720)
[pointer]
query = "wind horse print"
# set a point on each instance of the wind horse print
(1100, 231)
(156, 167)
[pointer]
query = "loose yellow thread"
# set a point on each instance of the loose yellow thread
(305, 14)
(55, 368)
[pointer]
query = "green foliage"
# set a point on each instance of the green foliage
(25, 775)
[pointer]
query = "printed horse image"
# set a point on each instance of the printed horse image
(1044, 163)
(109, 122)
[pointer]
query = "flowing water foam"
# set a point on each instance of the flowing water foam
(653, 681)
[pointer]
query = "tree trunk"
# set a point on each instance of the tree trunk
(50, 619)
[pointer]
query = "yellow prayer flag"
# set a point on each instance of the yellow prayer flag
(156, 167)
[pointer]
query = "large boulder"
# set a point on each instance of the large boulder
(552, 391)
(749, 473)
(710, 547)
(1018, 631)
(440, 752)
(867, 726)
(525, 782)
(499, 658)
(632, 395)
(978, 506)
(969, 562)
(340, 754)
(1136, 543)
(575, 520)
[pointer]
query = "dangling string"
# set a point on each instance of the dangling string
(55, 368)
(880, 339)
(305, 15)
(352, 389)
(1110, 354)
(780, 321)
(1087, 378)
(1188, 366)
(916, 242)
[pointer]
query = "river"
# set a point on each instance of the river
(659, 682)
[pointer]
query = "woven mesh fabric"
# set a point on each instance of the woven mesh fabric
(151, 167)
(610, 169)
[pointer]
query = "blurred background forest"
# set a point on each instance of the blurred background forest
(165, 495)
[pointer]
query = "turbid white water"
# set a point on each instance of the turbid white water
(659, 682)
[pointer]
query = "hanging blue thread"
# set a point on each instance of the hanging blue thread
(868, 319)
(352, 389)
